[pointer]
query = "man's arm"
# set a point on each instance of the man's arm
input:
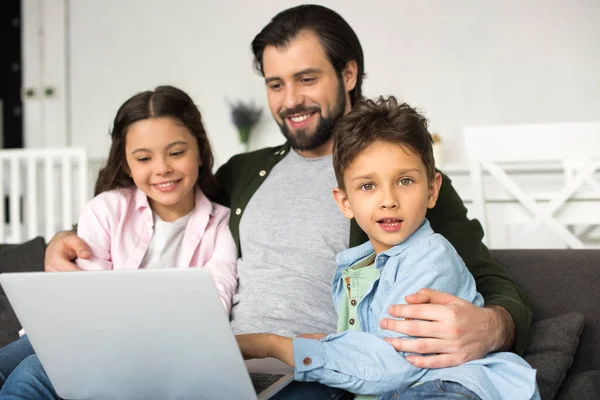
(449, 218)
(465, 332)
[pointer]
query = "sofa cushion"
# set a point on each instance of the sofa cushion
(24, 257)
(581, 386)
(551, 350)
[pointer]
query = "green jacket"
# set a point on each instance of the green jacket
(242, 175)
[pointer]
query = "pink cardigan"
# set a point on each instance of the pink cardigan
(118, 227)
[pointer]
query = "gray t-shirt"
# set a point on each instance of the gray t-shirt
(290, 232)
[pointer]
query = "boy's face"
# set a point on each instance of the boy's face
(387, 192)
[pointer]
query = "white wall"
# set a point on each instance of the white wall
(463, 62)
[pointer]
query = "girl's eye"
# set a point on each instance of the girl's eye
(405, 182)
(177, 153)
(367, 186)
(143, 159)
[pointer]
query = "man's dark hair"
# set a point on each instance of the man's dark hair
(337, 37)
(383, 119)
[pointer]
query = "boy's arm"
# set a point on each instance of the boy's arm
(364, 362)
(501, 293)
(93, 228)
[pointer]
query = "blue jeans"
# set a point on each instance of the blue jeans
(436, 390)
(311, 391)
(22, 376)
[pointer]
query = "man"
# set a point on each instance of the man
(287, 227)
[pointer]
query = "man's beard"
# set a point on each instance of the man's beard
(301, 139)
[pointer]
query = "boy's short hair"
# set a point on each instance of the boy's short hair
(383, 119)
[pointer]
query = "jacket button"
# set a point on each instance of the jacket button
(353, 302)
(238, 211)
(262, 173)
(352, 321)
(307, 361)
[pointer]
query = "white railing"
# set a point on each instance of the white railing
(45, 189)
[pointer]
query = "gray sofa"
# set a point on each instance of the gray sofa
(565, 342)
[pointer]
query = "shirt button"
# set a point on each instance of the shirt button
(307, 361)
(262, 173)
(353, 302)
(352, 321)
(348, 286)
(238, 211)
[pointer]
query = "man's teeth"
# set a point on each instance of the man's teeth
(165, 185)
(300, 118)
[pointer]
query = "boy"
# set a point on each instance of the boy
(383, 161)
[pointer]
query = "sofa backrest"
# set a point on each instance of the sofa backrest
(557, 282)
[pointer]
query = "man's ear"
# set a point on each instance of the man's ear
(350, 75)
(434, 190)
(342, 202)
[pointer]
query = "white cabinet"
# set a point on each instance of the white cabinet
(45, 89)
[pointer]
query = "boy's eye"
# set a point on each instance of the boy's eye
(367, 186)
(405, 182)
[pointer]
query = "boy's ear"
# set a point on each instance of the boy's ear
(434, 190)
(342, 202)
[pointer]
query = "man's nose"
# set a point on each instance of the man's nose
(293, 97)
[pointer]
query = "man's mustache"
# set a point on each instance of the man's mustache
(298, 111)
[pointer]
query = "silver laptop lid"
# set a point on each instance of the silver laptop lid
(92, 328)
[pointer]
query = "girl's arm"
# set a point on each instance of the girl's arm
(223, 262)
(94, 229)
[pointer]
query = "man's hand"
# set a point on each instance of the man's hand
(63, 249)
(455, 330)
(262, 345)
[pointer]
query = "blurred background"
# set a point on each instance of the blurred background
(69, 64)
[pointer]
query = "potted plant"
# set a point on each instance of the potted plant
(245, 117)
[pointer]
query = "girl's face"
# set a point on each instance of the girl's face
(163, 160)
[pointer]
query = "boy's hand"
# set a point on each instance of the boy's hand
(453, 329)
(254, 345)
(316, 336)
(262, 345)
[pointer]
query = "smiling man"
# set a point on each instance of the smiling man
(288, 229)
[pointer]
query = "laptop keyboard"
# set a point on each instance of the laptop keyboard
(262, 381)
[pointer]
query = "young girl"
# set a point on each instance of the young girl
(151, 210)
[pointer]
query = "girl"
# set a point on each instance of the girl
(151, 210)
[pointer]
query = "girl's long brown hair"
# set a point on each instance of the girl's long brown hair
(164, 101)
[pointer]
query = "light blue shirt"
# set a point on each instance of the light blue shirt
(363, 363)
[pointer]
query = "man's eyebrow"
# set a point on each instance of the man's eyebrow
(297, 74)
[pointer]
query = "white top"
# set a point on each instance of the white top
(166, 240)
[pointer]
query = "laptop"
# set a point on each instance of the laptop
(140, 334)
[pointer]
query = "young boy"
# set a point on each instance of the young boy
(386, 176)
